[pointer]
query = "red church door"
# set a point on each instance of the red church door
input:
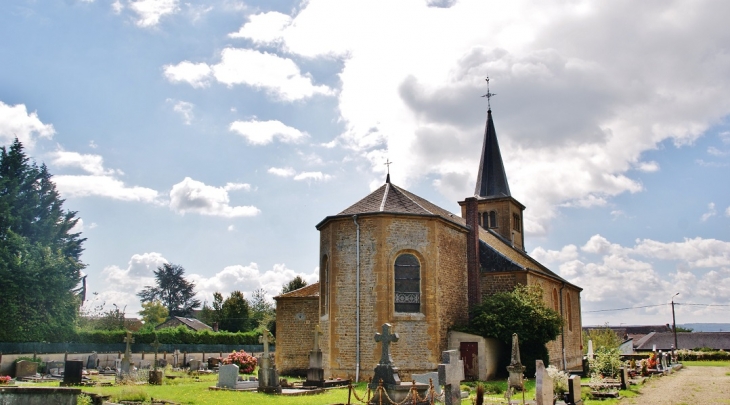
(469, 356)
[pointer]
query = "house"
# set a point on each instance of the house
(190, 323)
(394, 257)
(686, 340)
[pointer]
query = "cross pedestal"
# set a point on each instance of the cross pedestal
(451, 373)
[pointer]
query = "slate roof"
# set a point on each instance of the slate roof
(491, 177)
(308, 291)
(686, 340)
(191, 323)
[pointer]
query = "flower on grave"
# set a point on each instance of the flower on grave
(560, 379)
(5, 379)
(246, 363)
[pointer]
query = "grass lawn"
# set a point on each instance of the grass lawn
(708, 363)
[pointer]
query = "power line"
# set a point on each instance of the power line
(657, 305)
(705, 305)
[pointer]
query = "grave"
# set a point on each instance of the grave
(515, 367)
(574, 394)
(387, 375)
(93, 361)
(227, 376)
(194, 365)
(126, 363)
(450, 375)
(315, 372)
(55, 368)
(429, 378)
(591, 356)
(25, 368)
(73, 372)
(624, 378)
(155, 376)
(268, 376)
(543, 385)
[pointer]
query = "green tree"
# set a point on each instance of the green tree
(212, 315)
(602, 337)
(173, 290)
(262, 310)
(40, 263)
(153, 313)
(294, 284)
(520, 311)
(235, 313)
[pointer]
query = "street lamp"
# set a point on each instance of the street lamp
(674, 323)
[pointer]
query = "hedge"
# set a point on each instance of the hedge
(696, 355)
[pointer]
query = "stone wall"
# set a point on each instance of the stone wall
(296, 319)
(439, 247)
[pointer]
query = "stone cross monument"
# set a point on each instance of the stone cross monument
(268, 376)
(451, 373)
(515, 367)
(385, 338)
(315, 372)
(155, 377)
(385, 370)
(127, 359)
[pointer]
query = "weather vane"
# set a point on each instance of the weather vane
(489, 95)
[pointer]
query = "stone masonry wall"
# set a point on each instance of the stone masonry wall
(295, 322)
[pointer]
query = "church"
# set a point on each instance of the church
(394, 257)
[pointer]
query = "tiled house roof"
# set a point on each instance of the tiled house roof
(308, 291)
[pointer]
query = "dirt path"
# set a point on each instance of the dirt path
(689, 386)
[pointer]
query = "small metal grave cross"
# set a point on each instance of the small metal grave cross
(317, 332)
(385, 338)
(156, 345)
(265, 339)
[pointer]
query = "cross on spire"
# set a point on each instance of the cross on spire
(489, 95)
(387, 164)
(386, 338)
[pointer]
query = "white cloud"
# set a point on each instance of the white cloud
(648, 273)
(263, 28)
(264, 132)
(717, 152)
(103, 186)
(196, 197)
(237, 186)
(92, 164)
(282, 171)
(184, 108)
(316, 176)
(727, 212)
(117, 6)
(711, 212)
(196, 74)
(248, 279)
(231, 228)
(15, 121)
(150, 11)
(649, 167)
(278, 76)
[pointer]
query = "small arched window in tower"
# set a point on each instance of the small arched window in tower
(324, 286)
(407, 272)
(570, 311)
(484, 220)
(556, 300)
(516, 223)
(492, 219)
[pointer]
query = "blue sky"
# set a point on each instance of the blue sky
(216, 134)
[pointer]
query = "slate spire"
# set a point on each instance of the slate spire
(491, 179)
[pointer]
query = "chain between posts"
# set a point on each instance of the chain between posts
(412, 395)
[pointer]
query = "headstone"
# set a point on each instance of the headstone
(574, 395)
(126, 365)
(451, 373)
(73, 372)
(515, 367)
(194, 365)
(227, 376)
(315, 372)
(384, 370)
(161, 363)
(176, 358)
(213, 362)
(54, 368)
(624, 377)
(93, 361)
(25, 368)
(659, 362)
(268, 376)
(664, 361)
(543, 385)
(590, 350)
(145, 364)
(429, 378)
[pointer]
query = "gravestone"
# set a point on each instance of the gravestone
(25, 368)
(429, 378)
(590, 350)
(624, 378)
(664, 361)
(451, 373)
(176, 358)
(126, 365)
(574, 395)
(543, 385)
(315, 372)
(73, 372)
(268, 376)
(118, 365)
(659, 362)
(213, 362)
(515, 367)
(161, 363)
(54, 368)
(155, 376)
(227, 376)
(194, 365)
(93, 361)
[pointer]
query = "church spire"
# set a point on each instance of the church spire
(491, 179)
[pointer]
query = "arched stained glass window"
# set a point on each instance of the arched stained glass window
(407, 283)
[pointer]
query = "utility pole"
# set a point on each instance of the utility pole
(674, 323)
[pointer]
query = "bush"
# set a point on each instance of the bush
(245, 362)
(179, 335)
(560, 380)
(692, 355)
(606, 363)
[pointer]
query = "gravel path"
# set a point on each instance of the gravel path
(689, 386)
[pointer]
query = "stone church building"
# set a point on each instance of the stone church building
(395, 257)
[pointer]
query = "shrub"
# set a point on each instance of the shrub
(606, 363)
(246, 363)
(560, 380)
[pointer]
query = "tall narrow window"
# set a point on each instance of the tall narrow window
(324, 279)
(569, 312)
(516, 223)
(556, 302)
(484, 219)
(407, 283)
(492, 219)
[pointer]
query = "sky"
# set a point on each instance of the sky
(216, 134)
